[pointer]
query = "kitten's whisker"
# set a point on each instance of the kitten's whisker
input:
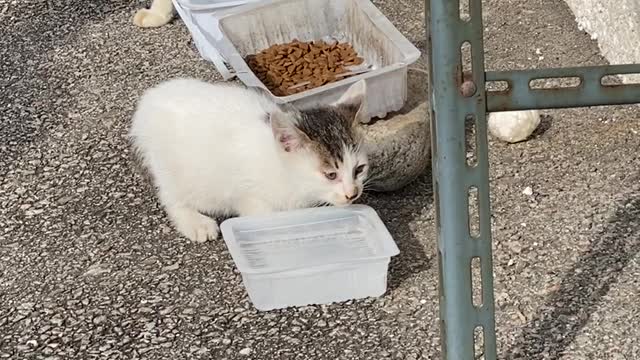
(367, 182)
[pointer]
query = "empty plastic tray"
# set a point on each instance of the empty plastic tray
(311, 256)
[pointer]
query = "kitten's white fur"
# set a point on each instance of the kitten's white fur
(159, 13)
(210, 149)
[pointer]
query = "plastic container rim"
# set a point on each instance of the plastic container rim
(390, 248)
(407, 49)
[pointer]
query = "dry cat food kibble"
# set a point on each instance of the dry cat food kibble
(286, 69)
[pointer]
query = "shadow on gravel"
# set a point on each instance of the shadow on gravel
(546, 122)
(568, 309)
(398, 210)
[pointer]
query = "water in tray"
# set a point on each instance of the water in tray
(309, 244)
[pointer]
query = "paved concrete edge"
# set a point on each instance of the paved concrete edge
(615, 25)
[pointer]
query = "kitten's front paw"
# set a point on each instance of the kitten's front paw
(146, 18)
(200, 229)
(195, 226)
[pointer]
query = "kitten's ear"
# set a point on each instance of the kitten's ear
(354, 99)
(286, 132)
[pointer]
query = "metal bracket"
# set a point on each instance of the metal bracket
(591, 89)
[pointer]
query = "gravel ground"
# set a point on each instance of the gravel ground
(89, 267)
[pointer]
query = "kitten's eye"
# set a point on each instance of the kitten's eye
(331, 175)
(359, 169)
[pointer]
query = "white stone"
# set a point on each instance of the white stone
(528, 191)
(513, 126)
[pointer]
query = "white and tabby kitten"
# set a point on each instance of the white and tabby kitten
(221, 149)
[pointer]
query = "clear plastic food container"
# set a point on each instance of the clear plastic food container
(311, 256)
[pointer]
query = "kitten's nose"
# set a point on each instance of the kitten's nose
(352, 196)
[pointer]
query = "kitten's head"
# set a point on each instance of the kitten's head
(326, 145)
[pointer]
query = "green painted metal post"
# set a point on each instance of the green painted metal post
(457, 97)
(454, 99)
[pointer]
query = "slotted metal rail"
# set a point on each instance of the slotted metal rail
(458, 97)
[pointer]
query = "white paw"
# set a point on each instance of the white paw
(197, 227)
(146, 18)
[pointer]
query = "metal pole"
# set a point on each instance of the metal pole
(454, 98)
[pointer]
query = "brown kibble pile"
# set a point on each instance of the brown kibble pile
(286, 69)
